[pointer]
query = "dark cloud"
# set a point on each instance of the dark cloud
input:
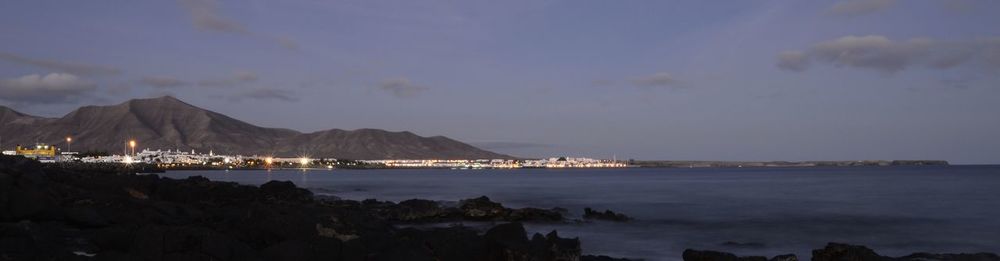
(61, 66)
(265, 94)
(876, 52)
(162, 81)
(50, 88)
(860, 7)
(660, 79)
(205, 16)
(236, 79)
(401, 87)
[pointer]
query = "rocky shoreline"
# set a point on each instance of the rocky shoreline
(67, 214)
(52, 213)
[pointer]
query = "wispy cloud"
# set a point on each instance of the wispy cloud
(265, 94)
(119, 88)
(205, 16)
(240, 77)
(61, 66)
(879, 53)
(793, 61)
(162, 81)
(401, 87)
(501, 145)
(50, 88)
(860, 7)
(656, 80)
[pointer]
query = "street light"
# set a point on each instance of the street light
(304, 161)
(69, 144)
(267, 163)
(131, 143)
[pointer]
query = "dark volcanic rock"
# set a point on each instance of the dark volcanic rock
(285, 190)
(482, 208)
(534, 214)
(788, 257)
(601, 258)
(510, 242)
(475, 209)
(845, 252)
(420, 209)
(608, 215)
(951, 257)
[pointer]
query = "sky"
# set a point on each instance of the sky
(673, 80)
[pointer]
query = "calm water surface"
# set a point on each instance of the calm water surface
(895, 210)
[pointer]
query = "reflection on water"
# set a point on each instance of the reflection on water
(896, 211)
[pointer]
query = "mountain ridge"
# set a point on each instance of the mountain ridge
(168, 123)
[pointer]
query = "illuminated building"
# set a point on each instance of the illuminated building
(39, 151)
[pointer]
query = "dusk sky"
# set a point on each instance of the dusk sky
(678, 80)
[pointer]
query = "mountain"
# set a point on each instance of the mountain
(168, 123)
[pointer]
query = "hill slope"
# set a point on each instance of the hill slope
(169, 123)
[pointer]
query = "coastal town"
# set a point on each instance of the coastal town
(178, 159)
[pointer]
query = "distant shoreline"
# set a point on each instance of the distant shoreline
(784, 164)
(154, 168)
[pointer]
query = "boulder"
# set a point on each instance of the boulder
(510, 242)
(419, 209)
(285, 191)
(482, 208)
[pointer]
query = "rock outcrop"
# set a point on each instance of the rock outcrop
(474, 209)
(608, 215)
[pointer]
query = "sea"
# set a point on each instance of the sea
(747, 211)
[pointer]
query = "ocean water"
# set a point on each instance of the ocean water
(765, 211)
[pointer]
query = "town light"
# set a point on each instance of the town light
(268, 160)
(304, 161)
